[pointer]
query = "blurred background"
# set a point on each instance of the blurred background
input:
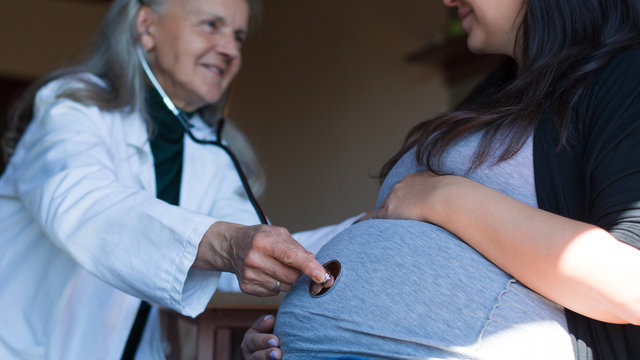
(327, 93)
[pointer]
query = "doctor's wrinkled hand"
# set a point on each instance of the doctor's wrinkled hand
(265, 258)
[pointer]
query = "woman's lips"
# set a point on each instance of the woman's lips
(462, 14)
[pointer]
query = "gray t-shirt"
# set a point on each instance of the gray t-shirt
(412, 290)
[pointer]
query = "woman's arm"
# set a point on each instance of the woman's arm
(577, 265)
(73, 180)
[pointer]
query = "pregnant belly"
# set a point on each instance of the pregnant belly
(405, 286)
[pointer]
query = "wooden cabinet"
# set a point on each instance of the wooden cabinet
(217, 332)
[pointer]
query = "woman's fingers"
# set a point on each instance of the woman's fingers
(259, 343)
(267, 354)
(366, 216)
(409, 197)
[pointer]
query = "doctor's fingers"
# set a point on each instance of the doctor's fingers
(258, 282)
(294, 255)
(276, 242)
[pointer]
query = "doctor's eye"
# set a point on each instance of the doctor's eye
(240, 38)
(212, 25)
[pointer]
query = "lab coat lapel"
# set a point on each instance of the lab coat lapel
(138, 151)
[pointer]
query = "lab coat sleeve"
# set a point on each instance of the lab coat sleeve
(68, 181)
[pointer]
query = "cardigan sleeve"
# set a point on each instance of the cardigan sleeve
(596, 179)
(611, 153)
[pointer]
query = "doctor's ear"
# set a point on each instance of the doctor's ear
(144, 22)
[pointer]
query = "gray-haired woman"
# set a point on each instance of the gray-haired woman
(108, 199)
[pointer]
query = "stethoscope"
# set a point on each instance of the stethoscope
(182, 118)
(135, 334)
(332, 267)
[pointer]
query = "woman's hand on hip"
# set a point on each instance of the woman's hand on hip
(265, 258)
(259, 343)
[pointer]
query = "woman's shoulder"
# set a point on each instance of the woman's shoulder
(56, 105)
(611, 102)
(57, 86)
(58, 94)
(621, 69)
(617, 82)
(627, 58)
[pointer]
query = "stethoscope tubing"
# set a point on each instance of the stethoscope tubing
(218, 142)
(236, 164)
(135, 334)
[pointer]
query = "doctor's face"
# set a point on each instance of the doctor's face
(492, 25)
(194, 47)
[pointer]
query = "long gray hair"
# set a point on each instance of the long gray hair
(113, 59)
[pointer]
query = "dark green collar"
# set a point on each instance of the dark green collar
(167, 147)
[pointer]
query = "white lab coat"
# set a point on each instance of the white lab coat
(83, 238)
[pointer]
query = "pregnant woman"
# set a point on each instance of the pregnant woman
(524, 205)
(410, 289)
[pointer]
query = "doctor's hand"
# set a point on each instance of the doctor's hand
(265, 258)
(259, 343)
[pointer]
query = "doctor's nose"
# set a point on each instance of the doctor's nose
(229, 46)
(451, 3)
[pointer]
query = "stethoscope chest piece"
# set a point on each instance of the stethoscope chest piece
(332, 268)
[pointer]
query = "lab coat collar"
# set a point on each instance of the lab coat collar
(136, 131)
(136, 135)
(200, 129)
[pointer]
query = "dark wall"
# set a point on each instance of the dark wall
(10, 89)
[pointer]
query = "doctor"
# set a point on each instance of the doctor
(106, 201)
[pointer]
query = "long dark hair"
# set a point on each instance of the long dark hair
(562, 44)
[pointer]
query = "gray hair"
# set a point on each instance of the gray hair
(113, 59)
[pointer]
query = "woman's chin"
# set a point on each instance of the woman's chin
(480, 47)
(476, 47)
(198, 102)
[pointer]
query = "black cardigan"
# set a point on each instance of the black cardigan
(596, 179)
